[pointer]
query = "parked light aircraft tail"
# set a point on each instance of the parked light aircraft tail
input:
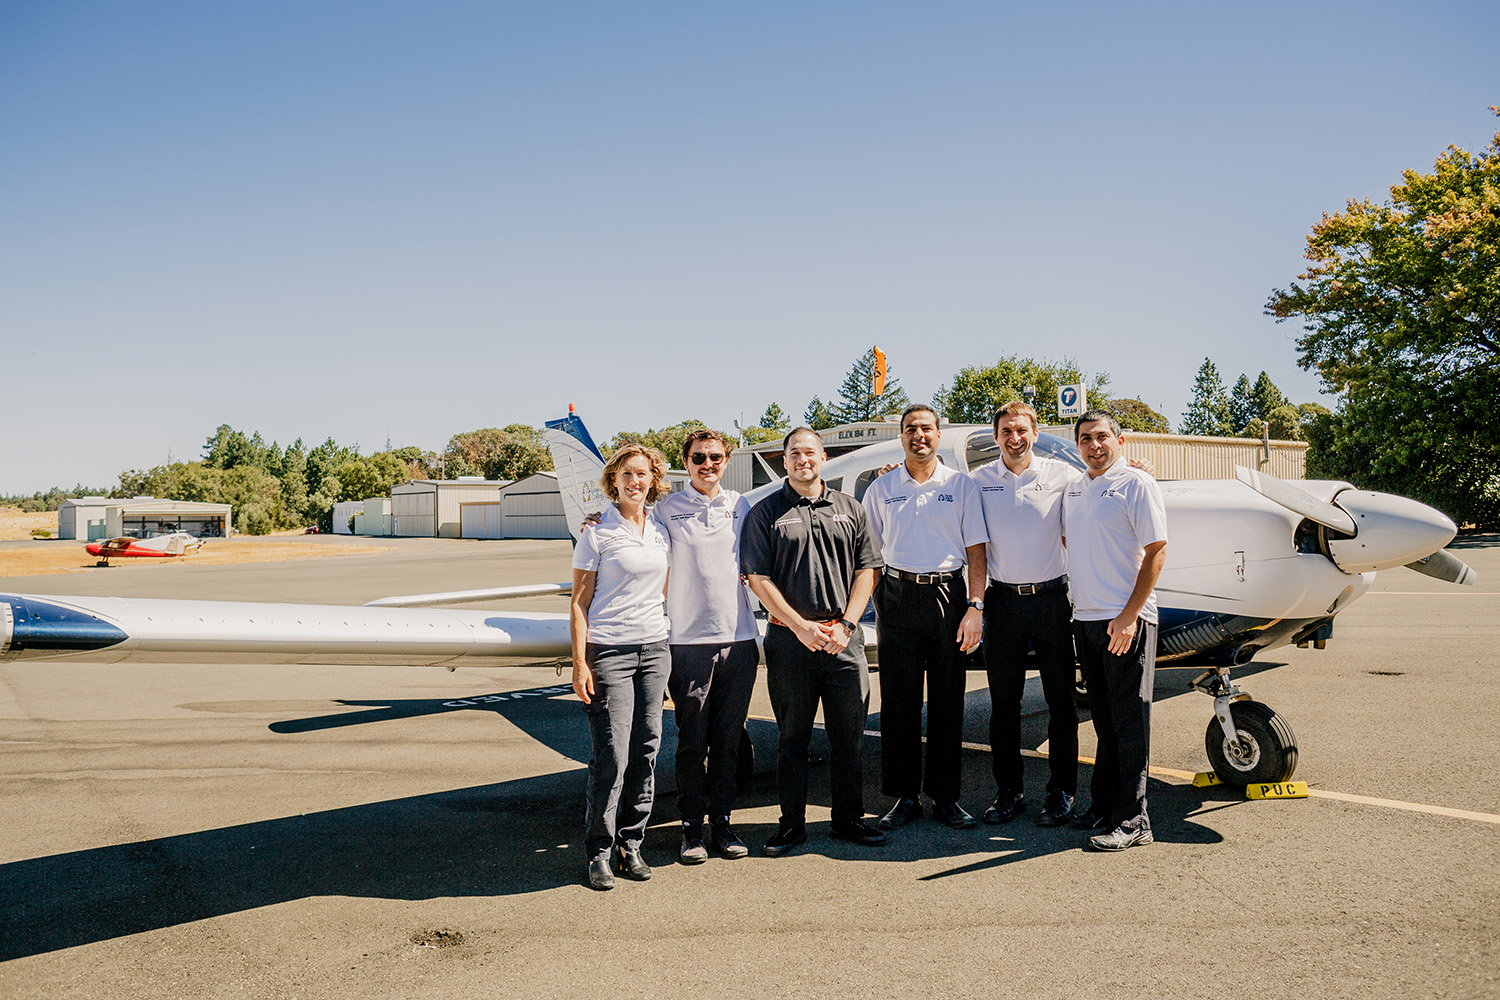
(1252, 564)
(579, 466)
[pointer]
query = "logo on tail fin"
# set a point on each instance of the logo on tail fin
(579, 466)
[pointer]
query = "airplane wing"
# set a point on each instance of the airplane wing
(470, 596)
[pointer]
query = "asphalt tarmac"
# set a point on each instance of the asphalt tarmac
(220, 829)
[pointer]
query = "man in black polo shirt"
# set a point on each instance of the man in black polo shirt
(808, 553)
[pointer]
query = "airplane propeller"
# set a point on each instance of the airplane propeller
(1444, 565)
(1375, 530)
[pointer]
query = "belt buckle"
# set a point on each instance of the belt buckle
(1027, 590)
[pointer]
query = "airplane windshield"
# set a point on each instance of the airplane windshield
(981, 449)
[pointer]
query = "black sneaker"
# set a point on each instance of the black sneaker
(692, 851)
(726, 841)
(784, 839)
(857, 831)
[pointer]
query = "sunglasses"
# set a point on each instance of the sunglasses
(716, 457)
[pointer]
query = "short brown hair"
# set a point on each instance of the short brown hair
(917, 408)
(704, 434)
(1015, 408)
(660, 487)
(786, 442)
(1098, 416)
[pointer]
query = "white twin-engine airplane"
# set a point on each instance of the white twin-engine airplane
(1252, 564)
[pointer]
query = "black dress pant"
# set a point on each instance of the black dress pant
(918, 627)
(710, 685)
(1120, 702)
(798, 679)
(1044, 622)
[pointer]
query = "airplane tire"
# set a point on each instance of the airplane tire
(1268, 751)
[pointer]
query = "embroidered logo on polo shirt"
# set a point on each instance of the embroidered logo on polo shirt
(945, 497)
(794, 519)
(992, 489)
(840, 517)
(1076, 492)
(892, 500)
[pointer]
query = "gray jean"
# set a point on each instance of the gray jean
(625, 723)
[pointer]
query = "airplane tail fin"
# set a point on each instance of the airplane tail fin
(579, 466)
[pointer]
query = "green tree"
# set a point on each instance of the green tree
(976, 392)
(511, 452)
(1400, 311)
(1242, 408)
(1208, 413)
(856, 398)
(1135, 415)
(668, 440)
(1266, 397)
(818, 416)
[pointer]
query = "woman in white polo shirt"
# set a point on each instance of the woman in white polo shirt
(620, 660)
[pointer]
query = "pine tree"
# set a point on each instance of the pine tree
(1267, 398)
(1208, 413)
(818, 416)
(1242, 408)
(774, 419)
(856, 399)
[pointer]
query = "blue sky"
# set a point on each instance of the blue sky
(371, 220)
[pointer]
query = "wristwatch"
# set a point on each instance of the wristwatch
(848, 625)
(977, 605)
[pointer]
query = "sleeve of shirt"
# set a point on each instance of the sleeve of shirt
(586, 552)
(741, 517)
(873, 512)
(1148, 513)
(971, 519)
(867, 553)
(755, 542)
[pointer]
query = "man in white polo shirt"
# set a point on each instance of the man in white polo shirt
(1115, 527)
(927, 521)
(1026, 606)
(712, 642)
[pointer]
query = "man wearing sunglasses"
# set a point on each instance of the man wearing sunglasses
(712, 642)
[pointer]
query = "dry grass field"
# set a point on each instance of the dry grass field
(16, 523)
(57, 556)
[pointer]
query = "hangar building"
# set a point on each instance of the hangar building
(430, 507)
(93, 518)
(1176, 456)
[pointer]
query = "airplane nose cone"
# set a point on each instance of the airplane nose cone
(1391, 531)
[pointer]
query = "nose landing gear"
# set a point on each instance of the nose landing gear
(1247, 742)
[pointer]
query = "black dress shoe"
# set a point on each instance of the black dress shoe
(857, 831)
(600, 877)
(631, 864)
(1006, 807)
(954, 815)
(784, 839)
(902, 813)
(1057, 810)
(1090, 819)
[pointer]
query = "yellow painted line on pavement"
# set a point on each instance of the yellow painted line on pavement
(1430, 593)
(1315, 793)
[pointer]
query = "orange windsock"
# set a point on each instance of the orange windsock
(877, 387)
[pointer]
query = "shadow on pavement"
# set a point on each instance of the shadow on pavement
(511, 837)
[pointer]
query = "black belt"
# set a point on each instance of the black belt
(1028, 589)
(924, 578)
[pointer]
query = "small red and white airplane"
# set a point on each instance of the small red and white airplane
(176, 543)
